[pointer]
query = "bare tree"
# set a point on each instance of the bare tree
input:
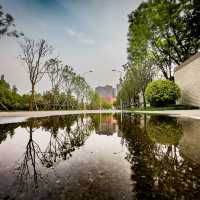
(33, 55)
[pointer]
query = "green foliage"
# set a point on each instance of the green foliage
(162, 92)
(168, 30)
(54, 99)
(9, 99)
(161, 35)
(94, 100)
(105, 104)
(164, 130)
(134, 83)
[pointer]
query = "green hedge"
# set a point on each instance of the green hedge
(162, 92)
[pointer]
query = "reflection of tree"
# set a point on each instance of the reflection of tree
(7, 129)
(63, 143)
(66, 134)
(28, 168)
(158, 170)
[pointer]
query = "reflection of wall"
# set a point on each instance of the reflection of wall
(190, 142)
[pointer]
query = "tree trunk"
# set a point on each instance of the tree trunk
(54, 99)
(172, 78)
(32, 97)
(144, 100)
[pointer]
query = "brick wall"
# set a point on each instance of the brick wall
(187, 76)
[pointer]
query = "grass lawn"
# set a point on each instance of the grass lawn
(170, 107)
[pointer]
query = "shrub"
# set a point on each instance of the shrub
(162, 93)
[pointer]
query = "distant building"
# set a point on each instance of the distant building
(105, 91)
(108, 92)
(187, 77)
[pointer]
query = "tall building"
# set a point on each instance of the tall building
(105, 91)
(108, 92)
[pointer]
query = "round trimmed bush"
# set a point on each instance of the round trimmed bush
(162, 92)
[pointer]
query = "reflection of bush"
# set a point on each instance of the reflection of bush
(164, 130)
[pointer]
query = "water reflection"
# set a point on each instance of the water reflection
(7, 129)
(159, 170)
(26, 167)
(105, 124)
(164, 130)
(100, 157)
(190, 142)
(65, 135)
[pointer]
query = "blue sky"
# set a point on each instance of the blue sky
(86, 34)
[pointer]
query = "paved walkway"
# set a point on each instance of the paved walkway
(11, 117)
(194, 114)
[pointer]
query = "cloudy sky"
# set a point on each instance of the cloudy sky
(86, 34)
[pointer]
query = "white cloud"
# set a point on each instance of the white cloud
(88, 41)
(81, 37)
(72, 33)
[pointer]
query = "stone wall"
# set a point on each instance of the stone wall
(187, 76)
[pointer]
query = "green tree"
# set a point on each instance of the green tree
(9, 98)
(162, 28)
(81, 90)
(135, 81)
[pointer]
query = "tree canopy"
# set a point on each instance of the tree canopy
(7, 25)
(167, 30)
(161, 35)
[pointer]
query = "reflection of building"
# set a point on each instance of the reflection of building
(187, 77)
(108, 92)
(107, 125)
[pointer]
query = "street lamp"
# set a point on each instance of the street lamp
(120, 72)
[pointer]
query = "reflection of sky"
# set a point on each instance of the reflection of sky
(86, 34)
(162, 150)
